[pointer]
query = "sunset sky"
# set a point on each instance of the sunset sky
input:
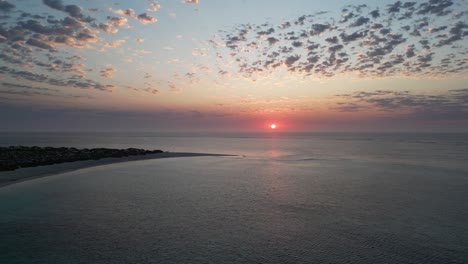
(215, 65)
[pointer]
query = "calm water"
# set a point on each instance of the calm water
(288, 198)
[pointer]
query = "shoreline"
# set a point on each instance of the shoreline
(31, 173)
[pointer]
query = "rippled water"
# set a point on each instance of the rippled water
(285, 199)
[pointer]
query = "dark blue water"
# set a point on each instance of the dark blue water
(288, 198)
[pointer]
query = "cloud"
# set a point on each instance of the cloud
(150, 90)
(87, 84)
(127, 12)
(142, 51)
(332, 40)
(146, 19)
(317, 29)
(394, 8)
(437, 7)
(452, 104)
(36, 47)
(376, 43)
(360, 21)
(112, 24)
(409, 38)
(410, 51)
(48, 33)
(375, 13)
(272, 40)
(6, 6)
(191, 1)
(35, 26)
(15, 89)
(26, 93)
(22, 86)
(107, 28)
(37, 42)
(55, 4)
(73, 10)
(74, 81)
(115, 43)
(457, 32)
(117, 21)
(291, 60)
(154, 7)
(173, 87)
(353, 36)
(108, 72)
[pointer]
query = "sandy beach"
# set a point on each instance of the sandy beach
(25, 174)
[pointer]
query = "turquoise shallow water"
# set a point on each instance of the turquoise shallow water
(284, 200)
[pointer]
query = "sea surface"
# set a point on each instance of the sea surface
(285, 198)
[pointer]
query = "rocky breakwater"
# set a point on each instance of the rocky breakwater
(14, 157)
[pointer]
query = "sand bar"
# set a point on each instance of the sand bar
(24, 174)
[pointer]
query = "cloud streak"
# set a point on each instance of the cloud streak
(8, 89)
(450, 105)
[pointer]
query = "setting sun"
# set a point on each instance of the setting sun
(273, 126)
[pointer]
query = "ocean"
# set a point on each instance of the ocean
(285, 198)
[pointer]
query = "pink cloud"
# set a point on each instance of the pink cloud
(154, 7)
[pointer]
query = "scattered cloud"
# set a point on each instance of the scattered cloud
(7, 89)
(146, 19)
(127, 12)
(108, 72)
(74, 81)
(404, 38)
(33, 46)
(424, 38)
(199, 52)
(452, 104)
(6, 6)
(148, 76)
(173, 87)
(154, 7)
(117, 21)
(115, 43)
(142, 51)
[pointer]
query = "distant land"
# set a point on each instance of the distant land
(15, 157)
(20, 163)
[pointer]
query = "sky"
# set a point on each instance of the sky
(215, 65)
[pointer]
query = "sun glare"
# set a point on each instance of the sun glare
(273, 126)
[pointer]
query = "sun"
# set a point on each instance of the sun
(273, 126)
